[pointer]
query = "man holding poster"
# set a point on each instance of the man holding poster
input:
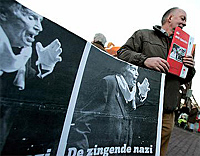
(149, 48)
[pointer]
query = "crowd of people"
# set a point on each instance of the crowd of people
(189, 119)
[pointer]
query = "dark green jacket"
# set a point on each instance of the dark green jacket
(154, 43)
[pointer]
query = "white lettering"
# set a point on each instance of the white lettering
(146, 149)
(143, 149)
(151, 150)
(98, 151)
(112, 150)
(182, 40)
(89, 152)
(128, 149)
(80, 152)
(136, 150)
(123, 149)
(72, 151)
(106, 151)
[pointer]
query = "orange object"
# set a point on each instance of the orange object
(193, 50)
(113, 50)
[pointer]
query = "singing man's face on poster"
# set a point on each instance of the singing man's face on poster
(131, 74)
(21, 25)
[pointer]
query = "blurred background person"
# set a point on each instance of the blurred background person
(192, 118)
(99, 41)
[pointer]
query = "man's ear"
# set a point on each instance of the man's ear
(3, 16)
(170, 18)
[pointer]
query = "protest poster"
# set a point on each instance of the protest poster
(103, 123)
(85, 106)
(32, 118)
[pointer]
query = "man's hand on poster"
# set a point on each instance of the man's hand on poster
(48, 56)
(157, 63)
(143, 89)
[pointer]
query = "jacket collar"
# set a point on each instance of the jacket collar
(159, 30)
(100, 43)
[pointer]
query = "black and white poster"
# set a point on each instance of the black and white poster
(60, 95)
(33, 108)
(116, 111)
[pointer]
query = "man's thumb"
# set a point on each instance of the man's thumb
(39, 47)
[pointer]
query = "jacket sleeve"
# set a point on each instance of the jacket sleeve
(190, 75)
(131, 51)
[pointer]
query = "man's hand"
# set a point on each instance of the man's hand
(48, 56)
(143, 88)
(188, 61)
(157, 63)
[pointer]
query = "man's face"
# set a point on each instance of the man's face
(178, 19)
(22, 27)
(131, 75)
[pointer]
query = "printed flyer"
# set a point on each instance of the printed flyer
(182, 45)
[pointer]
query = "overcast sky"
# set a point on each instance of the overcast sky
(118, 19)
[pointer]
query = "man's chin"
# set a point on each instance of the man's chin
(133, 83)
(28, 44)
(180, 27)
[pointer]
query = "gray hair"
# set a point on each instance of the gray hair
(100, 37)
(167, 13)
(125, 68)
(11, 6)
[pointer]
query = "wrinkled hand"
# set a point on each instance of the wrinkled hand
(143, 88)
(157, 63)
(48, 56)
(188, 61)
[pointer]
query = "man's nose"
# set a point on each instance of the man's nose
(137, 74)
(38, 26)
(184, 23)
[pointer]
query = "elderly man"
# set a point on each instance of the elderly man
(149, 48)
(19, 27)
(99, 41)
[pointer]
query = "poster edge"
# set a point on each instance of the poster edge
(159, 126)
(72, 102)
